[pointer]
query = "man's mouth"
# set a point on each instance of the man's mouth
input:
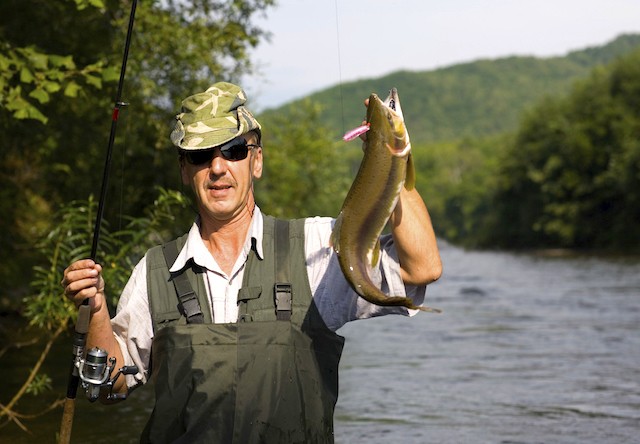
(219, 186)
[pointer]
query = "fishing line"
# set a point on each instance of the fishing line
(339, 68)
(122, 167)
(118, 105)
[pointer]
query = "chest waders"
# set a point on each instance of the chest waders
(272, 377)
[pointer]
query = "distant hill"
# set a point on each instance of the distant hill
(473, 99)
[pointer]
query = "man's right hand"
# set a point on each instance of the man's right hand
(83, 280)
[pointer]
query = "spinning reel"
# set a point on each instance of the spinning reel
(94, 372)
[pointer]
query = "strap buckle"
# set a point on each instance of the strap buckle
(191, 308)
(283, 296)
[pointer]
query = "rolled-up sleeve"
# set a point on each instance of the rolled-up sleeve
(132, 324)
(336, 301)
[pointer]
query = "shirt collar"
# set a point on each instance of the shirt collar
(195, 249)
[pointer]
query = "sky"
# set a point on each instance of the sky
(316, 44)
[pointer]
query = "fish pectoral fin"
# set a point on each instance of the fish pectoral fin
(375, 255)
(334, 241)
(410, 180)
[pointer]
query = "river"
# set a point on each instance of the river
(529, 349)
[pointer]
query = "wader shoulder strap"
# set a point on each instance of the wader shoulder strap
(282, 288)
(189, 305)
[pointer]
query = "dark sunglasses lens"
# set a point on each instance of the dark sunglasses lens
(199, 157)
(237, 151)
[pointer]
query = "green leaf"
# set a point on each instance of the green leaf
(62, 61)
(40, 384)
(26, 76)
(14, 99)
(51, 87)
(81, 4)
(5, 62)
(30, 112)
(39, 60)
(72, 89)
(56, 75)
(61, 168)
(40, 95)
(110, 74)
(94, 81)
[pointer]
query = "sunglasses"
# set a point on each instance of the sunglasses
(234, 151)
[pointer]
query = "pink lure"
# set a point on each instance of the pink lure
(350, 135)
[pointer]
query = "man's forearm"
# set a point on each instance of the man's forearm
(101, 335)
(415, 240)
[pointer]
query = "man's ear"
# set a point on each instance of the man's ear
(256, 163)
(183, 172)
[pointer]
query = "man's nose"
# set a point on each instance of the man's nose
(218, 163)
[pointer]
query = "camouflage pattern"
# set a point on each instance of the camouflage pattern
(213, 117)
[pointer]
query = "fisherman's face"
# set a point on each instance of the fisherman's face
(224, 188)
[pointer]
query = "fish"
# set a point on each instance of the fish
(386, 167)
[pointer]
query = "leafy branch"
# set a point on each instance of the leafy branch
(49, 310)
(30, 77)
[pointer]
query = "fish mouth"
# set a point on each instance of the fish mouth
(393, 102)
(401, 146)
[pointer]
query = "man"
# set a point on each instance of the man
(235, 321)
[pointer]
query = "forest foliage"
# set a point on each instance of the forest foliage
(60, 63)
(566, 177)
(521, 152)
(468, 100)
(571, 175)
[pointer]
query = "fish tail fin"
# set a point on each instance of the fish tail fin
(427, 309)
(408, 302)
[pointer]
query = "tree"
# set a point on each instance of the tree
(307, 172)
(572, 176)
(59, 64)
(46, 307)
(455, 180)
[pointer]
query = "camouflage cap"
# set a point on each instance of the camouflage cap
(213, 117)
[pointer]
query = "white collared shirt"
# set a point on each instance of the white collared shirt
(332, 294)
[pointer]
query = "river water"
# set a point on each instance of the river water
(528, 349)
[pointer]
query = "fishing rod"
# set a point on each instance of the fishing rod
(94, 372)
